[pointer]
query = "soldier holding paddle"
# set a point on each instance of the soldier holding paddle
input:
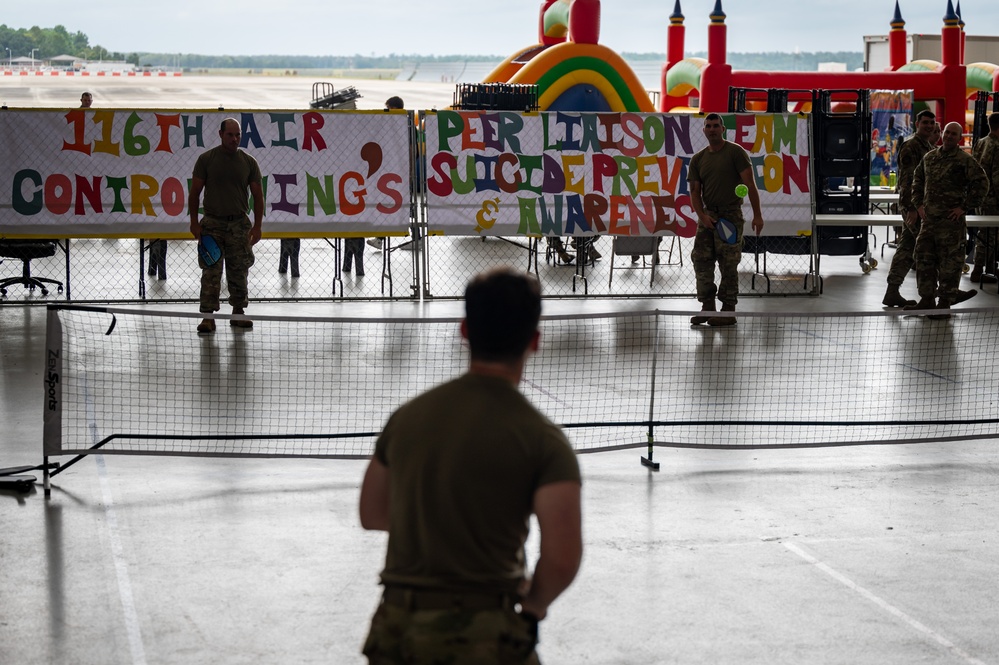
(720, 176)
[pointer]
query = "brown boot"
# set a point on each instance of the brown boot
(718, 321)
(241, 323)
(924, 303)
(944, 304)
(563, 256)
(206, 327)
(703, 318)
(963, 295)
(894, 299)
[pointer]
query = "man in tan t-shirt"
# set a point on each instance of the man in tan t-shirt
(456, 474)
(716, 175)
(226, 173)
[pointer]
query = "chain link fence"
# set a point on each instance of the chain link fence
(118, 270)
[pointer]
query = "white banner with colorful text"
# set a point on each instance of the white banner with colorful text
(127, 172)
(561, 173)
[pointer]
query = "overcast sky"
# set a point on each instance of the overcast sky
(487, 27)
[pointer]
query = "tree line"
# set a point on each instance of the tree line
(774, 61)
(51, 42)
(751, 61)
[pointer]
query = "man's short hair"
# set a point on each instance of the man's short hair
(926, 113)
(394, 103)
(994, 122)
(502, 310)
(712, 116)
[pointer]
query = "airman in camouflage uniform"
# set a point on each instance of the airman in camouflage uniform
(457, 588)
(986, 153)
(946, 185)
(225, 173)
(713, 174)
(909, 156)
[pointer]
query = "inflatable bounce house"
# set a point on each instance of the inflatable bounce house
(572, 70)
(948, 83)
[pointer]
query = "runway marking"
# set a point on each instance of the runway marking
(121, 568)
(883, 604)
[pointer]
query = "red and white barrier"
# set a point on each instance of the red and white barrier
(59, 72)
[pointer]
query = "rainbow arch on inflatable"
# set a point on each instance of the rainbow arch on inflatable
(572, 71)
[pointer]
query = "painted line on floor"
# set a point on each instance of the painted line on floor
(131, 618)
(883, 604)
(121, 568)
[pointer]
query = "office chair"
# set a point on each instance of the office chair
(26, 251)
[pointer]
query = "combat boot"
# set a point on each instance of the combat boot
(703, 318)
(963, 295)
(563, 256)
(717, 321)
(978, 273)
(924, 303)
(944, 304)
(895, 299)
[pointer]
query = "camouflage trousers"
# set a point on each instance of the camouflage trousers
(449, 637)
(939, 256)
(903, 260)
(237, 257)
(710, 249)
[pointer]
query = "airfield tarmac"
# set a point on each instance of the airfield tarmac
(193, 91)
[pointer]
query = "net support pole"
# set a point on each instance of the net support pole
(420, 218)
(46, 478)
(52, 406)
(647, 461)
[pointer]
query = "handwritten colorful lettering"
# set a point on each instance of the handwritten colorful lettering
(128, 171)
(598, 173)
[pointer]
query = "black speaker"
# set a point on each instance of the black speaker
(841, 168)
(842, 153)
(833, 204)
(982, 103)
(841, 138)
(843, 240)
